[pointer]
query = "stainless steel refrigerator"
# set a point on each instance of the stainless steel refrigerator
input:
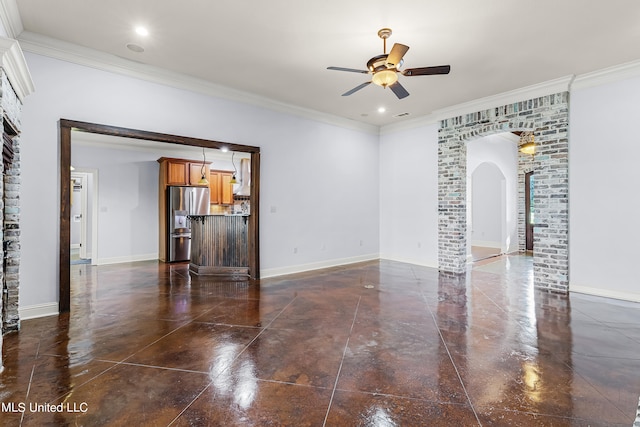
(181, 202)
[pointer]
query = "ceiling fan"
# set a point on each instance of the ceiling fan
(385, 68)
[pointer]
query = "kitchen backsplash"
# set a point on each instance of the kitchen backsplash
(240, 207)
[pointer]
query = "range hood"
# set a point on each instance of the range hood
(245, 178)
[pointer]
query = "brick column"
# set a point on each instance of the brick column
(452, 204)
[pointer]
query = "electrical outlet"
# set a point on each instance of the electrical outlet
(295, 250)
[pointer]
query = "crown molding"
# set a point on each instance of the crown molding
(10, 18)
(52, 48)
(613, 74)
(408, 124)
(15, 66)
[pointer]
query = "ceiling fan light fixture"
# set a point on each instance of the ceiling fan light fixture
(384, 68)
(385, 78)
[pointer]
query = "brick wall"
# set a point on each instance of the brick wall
(547, 117)
(11, 109)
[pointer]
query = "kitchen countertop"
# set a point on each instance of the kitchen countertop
(220, 215)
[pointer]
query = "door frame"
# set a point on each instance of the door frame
(65, 127)
(528, 225)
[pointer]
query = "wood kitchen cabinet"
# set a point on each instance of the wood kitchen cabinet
(176, 173)
(195, 172)
(181, 171)
(220, 187)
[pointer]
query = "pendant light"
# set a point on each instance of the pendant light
(203, 179)
(235, 171)
(528, 145)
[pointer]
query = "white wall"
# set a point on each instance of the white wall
(604, 199)
(500, 150)
(409, 195)
(127, 201)
(319, 182)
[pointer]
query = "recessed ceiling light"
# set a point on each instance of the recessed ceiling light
(224, 149)
(142, 31)
(381, 110)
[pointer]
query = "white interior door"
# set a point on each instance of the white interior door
(79, 213)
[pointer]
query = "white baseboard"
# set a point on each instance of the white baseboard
(487, 244)
(607, 293)
(38, 310)
(131, 258)
(410, 261)
(281, 271)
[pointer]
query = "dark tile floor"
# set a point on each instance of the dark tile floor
(372, 344)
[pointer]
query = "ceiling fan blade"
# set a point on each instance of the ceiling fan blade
(355, 89)
(427, 71)
(351, 70)
(395, 56)
(399, 90)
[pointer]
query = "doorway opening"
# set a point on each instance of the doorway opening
(492, 196)
(65, 129)
(83, 216)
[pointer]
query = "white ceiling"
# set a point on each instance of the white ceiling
(280, 49)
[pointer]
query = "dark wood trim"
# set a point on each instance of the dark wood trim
(158, 137)
(64, 149)
(64, 143)
(527, 212)
(254, 219)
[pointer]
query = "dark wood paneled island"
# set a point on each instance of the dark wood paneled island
(219, 245)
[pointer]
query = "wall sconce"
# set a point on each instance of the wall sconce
(527, 143)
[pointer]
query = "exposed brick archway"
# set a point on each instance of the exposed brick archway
(548, 118)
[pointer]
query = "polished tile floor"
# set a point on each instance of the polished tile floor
(373, 344)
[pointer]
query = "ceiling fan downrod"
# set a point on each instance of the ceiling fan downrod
(384, 34)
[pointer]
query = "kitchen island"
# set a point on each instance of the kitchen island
(219, 245)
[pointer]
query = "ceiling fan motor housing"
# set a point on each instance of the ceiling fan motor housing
(377, 63)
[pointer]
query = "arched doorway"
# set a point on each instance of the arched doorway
(492, 195)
